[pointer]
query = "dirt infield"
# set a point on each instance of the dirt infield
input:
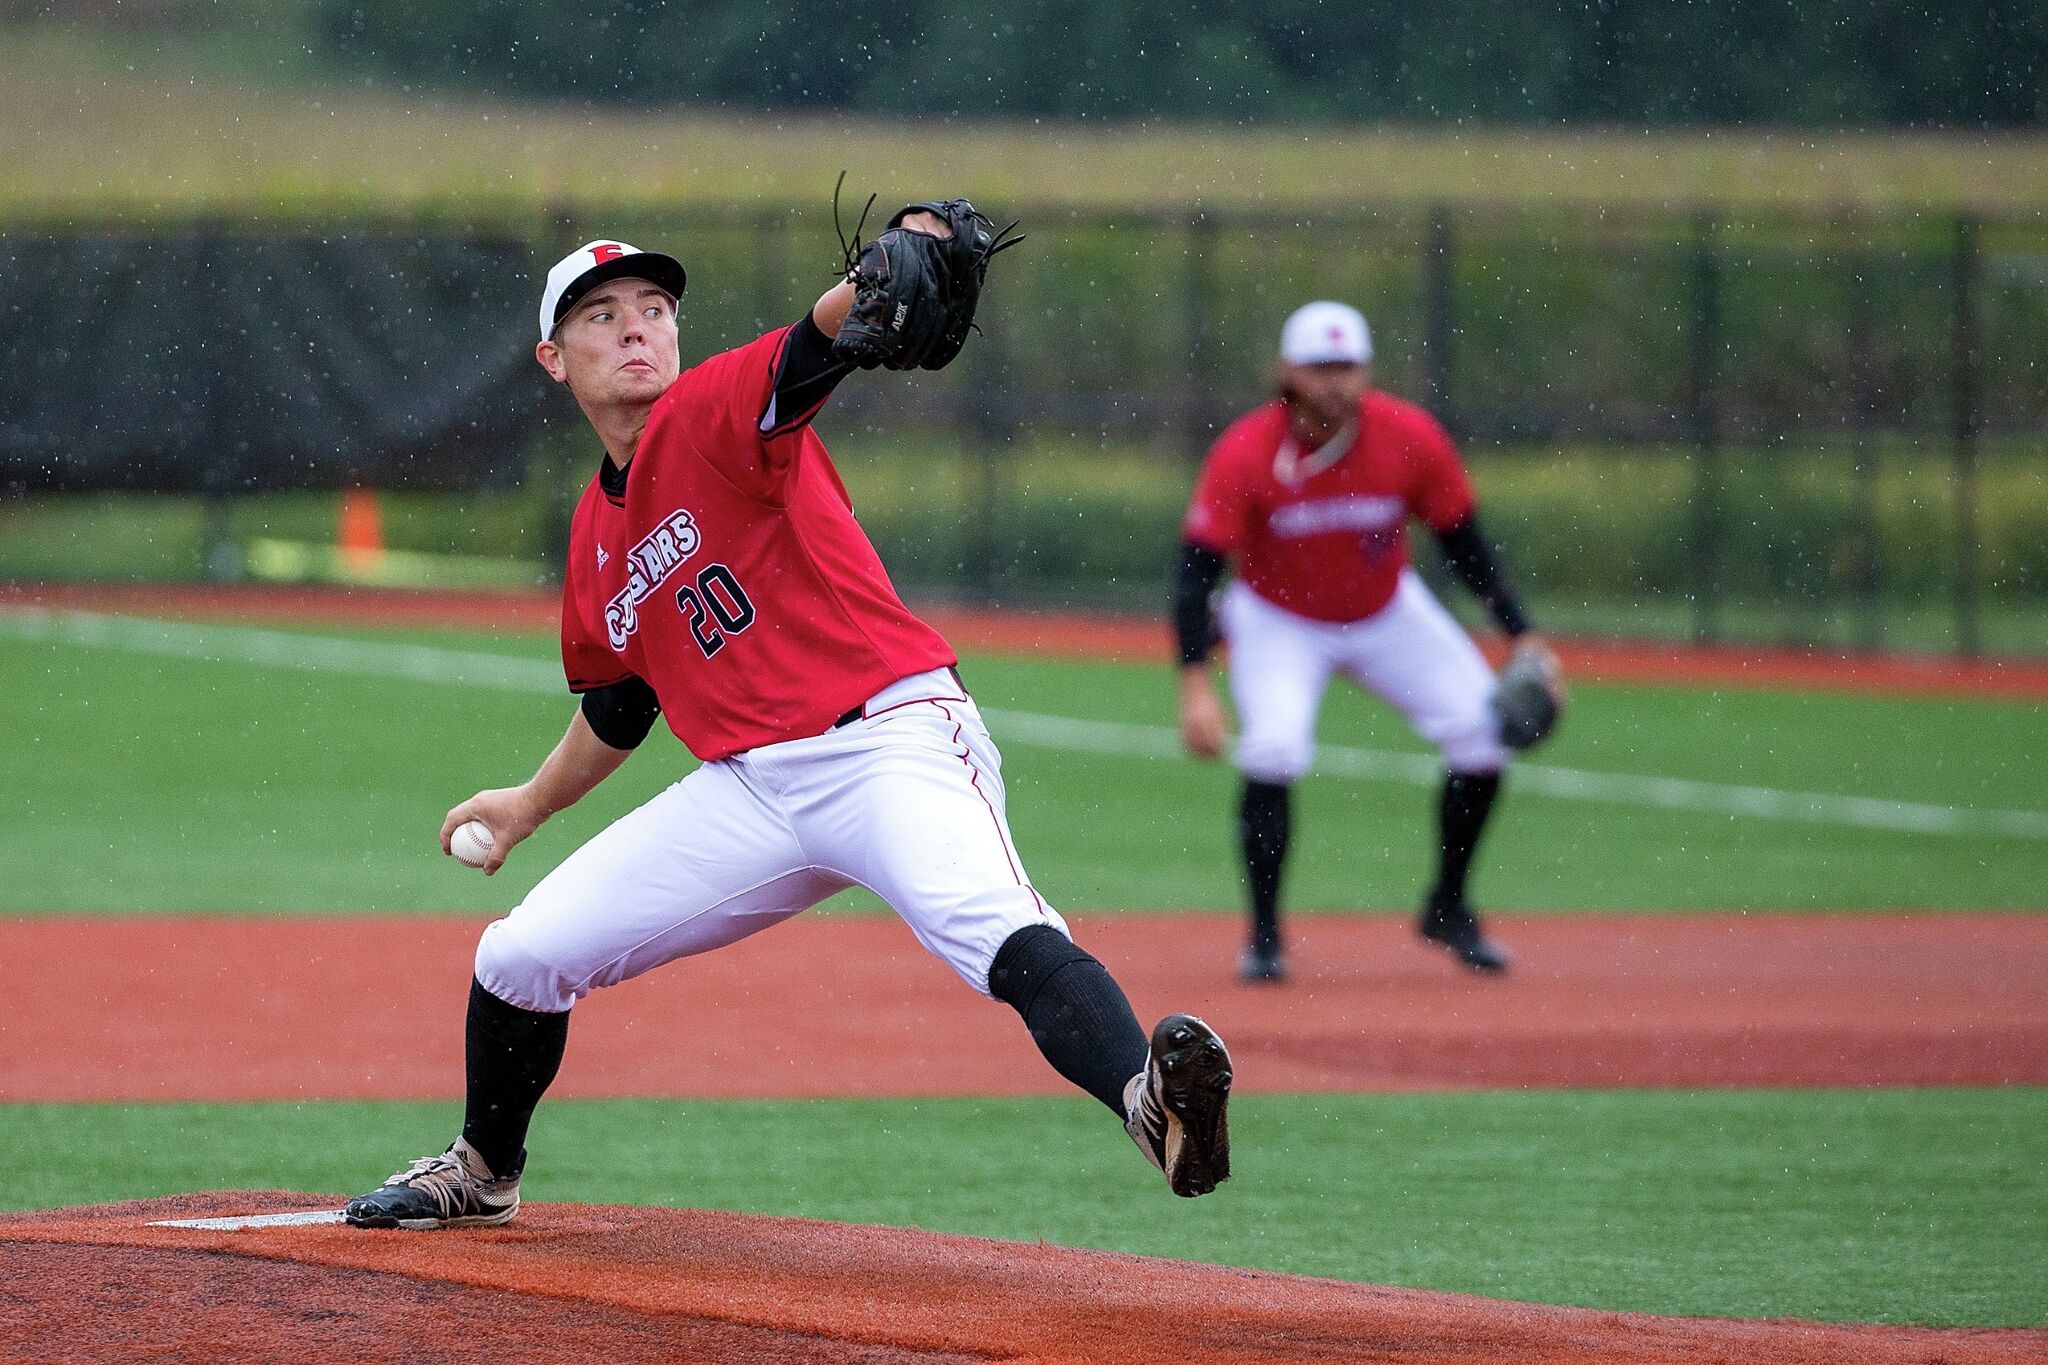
(1072, 635)
(575, 1282)
(246, 1007)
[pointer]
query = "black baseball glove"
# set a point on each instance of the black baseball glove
(914, 293)
(1529, 699)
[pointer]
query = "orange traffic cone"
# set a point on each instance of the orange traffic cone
(359, 530)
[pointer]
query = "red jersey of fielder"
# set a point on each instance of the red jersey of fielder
(731, 576)
(1324, 534)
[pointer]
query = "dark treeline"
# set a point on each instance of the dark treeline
(1817, 63)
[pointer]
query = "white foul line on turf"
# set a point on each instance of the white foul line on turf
(287, 649)
(1568, 784)
(509, 673)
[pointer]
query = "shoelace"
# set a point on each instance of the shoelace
(1150, 1116)
(441, 1176)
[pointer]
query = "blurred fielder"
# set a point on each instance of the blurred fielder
(717, 579)
(1310, 495)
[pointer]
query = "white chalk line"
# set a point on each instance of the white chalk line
(509, 673)
(253, 1220)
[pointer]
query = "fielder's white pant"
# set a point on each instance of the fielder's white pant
(1410, 653)
(907, 802)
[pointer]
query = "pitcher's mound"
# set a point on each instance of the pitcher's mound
(576, 1282)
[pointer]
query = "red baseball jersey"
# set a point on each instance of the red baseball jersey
(1327, 538)
(732, 576)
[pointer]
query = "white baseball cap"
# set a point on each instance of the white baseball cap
(1326, 333)
(591, 264)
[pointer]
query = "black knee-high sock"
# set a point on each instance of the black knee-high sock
(1076, 1012)
(1263, 824)
(512, 1057)
(1461, 818)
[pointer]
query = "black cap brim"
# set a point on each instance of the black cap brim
(663, 272)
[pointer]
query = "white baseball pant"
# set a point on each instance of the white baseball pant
(907, 802)
(1411, 653)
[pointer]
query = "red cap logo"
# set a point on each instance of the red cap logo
(607, 251)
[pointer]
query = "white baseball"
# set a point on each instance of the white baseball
(471, 843)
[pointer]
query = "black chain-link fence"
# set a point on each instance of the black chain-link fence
(1828, 430)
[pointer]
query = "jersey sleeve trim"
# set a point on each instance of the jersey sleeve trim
(581, 685)
(1195, 576)
(805, 376)
(621, 715)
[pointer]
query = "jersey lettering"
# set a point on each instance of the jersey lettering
(715, 608)
(1320, 516)
(729, 601)
(659, 554)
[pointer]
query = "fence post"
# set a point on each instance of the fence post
(1865, 400)
(991, 424)
(1705, 426)
(1966, 356)
(1198, 310)
(558, 486)
(1440, 316)
(773, 267)
(228, 475)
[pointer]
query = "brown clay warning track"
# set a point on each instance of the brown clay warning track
(1067, 634)
(575, 1282)
(248, 1008)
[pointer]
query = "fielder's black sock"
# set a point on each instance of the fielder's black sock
(1263, 824)
(1076, 1012)
(1462, 809)
(512, 1057)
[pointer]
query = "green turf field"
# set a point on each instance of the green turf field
(161, 767)
(158, 769)
(1877, 1206)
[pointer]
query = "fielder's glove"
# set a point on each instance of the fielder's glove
(914, 293)
(1530, 698)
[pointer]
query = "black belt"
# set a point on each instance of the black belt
(861, 712)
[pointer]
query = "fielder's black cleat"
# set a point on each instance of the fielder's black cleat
(1175, 1107)
(1453, 924)
(1262, 963)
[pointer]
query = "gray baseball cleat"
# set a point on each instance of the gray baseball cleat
(452, 1190)
(1174, 1108)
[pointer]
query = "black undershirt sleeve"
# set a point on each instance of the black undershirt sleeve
(1474, 562)
(1195, 575)
(805, 375)
(622, 713)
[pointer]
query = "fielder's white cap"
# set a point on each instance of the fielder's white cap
(591, 264)
(1326, 333)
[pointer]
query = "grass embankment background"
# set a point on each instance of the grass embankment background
(148, 123)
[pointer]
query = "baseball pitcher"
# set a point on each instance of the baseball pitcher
(717, 580)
